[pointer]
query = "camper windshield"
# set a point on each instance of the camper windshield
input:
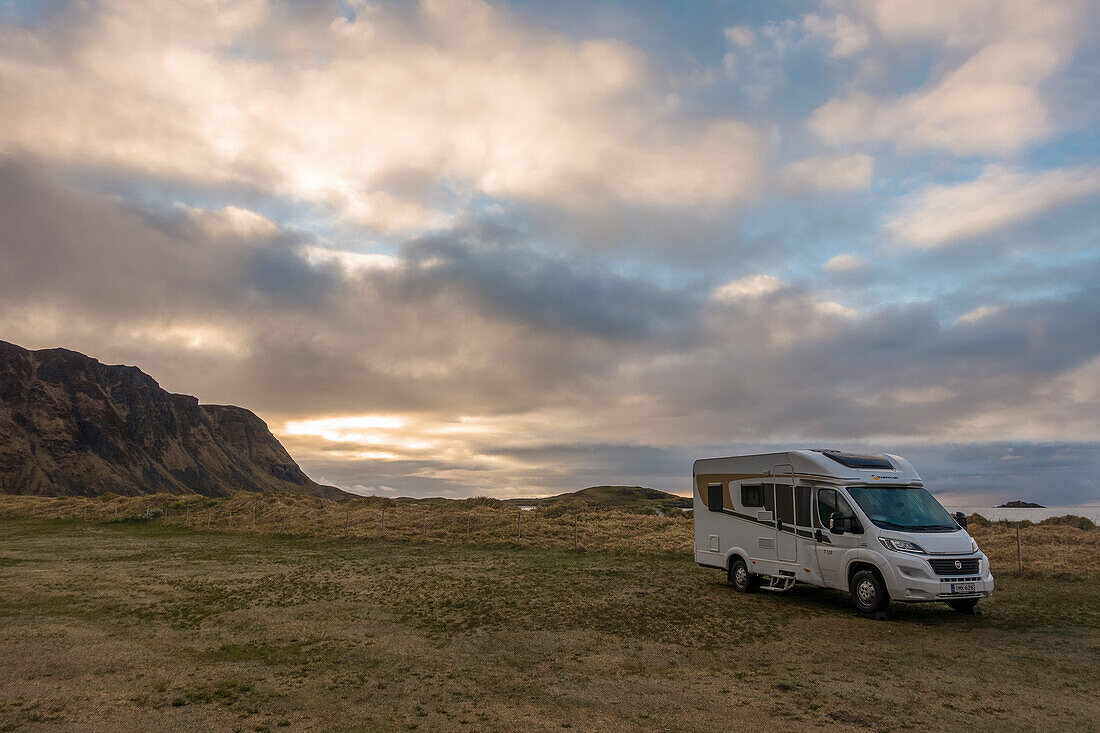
(909, 510)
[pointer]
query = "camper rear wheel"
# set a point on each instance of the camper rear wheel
(868, 591)
(740, 578)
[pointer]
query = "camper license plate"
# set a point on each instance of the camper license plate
(963, 588)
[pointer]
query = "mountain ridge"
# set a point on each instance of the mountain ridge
(71, 425)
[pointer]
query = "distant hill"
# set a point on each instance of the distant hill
(613, 496)
(1017, 504)
(70, 425)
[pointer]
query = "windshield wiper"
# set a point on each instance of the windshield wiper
(886, 524)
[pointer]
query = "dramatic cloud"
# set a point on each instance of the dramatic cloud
(849, 172)
(391, 120)
(845, 262)
(445, 249)
(984, 96)
(996, 200)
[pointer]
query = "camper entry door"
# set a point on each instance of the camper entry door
(832, 549)
(785, 537)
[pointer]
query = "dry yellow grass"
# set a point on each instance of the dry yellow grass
(1047, 549)
(475, 521)
(1057, 549)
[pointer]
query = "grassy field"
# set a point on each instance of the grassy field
(1055, 546)
(142, 624)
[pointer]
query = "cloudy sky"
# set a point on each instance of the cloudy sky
(455, 248)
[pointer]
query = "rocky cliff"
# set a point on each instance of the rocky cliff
(71, 425)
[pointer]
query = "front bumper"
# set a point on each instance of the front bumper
(913, 580)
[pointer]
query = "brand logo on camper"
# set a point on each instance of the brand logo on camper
(958, 565)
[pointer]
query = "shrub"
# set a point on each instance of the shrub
(564, 507)
(482, 501)
(1069, 520)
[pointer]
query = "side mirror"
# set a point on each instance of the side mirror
(961, 519)
(841, 523)
(837, 523)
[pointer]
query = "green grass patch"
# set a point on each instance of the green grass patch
(108, 624)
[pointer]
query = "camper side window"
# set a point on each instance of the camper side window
(714, 497)
(802, 505)
(784, 503)
(752, 496)
(826, 505)
(829, 501)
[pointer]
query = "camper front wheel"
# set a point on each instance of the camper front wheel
(740, 578)
(868, 591)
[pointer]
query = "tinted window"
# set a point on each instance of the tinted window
(784, 503)
(910, 509)
(829, 501)
(802, 505)
(859, 460)
(714, 497)
(752, 496)
(769, 497)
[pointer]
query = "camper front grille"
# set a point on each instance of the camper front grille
(961, 566)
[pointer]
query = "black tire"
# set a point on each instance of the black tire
(964, 605)
(740, 578)
(868, 591)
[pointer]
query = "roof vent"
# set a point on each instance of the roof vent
(859, 460)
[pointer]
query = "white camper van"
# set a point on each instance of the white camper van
(860, 523)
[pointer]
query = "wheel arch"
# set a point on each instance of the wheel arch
(863, 564)
(733, 554)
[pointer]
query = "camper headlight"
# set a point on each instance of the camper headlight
(973, 545)
(900, 545)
